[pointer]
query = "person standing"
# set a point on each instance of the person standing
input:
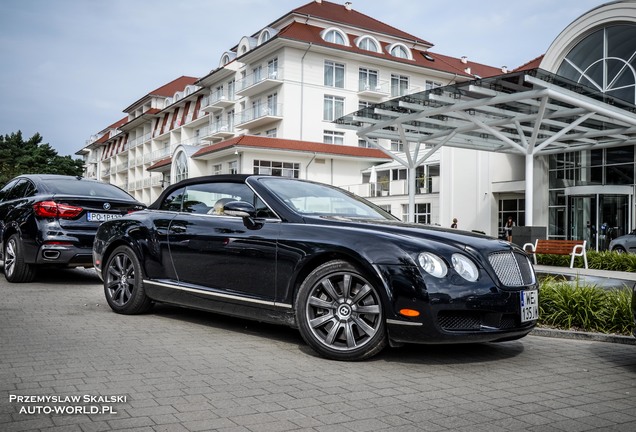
(508, 228)
(454, 224)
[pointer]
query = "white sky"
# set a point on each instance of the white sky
(69, 67)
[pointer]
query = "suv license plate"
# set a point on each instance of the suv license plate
(529, 305)
(101, 217)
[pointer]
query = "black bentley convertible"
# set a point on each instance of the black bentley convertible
(351, 277)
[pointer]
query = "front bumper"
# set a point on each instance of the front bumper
(452, 310)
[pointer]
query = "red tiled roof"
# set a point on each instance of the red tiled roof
(292, 145)
(166, 90)
(532, 64)
(338, 13)
(308, 33)
(159, 164)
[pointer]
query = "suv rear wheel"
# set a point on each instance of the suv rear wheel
(15, 269)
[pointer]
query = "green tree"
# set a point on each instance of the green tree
(18, 156)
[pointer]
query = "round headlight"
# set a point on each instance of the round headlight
(432, 264)
(465, 267)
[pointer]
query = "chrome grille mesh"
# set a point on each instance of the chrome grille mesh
(512, 268)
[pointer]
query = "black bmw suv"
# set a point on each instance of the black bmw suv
(51, 220)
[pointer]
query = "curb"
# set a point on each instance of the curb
(597, 337)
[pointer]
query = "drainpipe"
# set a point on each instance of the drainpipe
(302, 88)
(307, 167)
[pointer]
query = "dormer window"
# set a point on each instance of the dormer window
(368, 43)
(227, 57)
(246, 44)
(399, 50)
(168, 102)
(335, 35)
(266, 34)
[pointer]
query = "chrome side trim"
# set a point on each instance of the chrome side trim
(216, 294)
(405, 323)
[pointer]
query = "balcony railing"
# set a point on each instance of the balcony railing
(384, 188)
(218, 131)
(259, 115)
(259, 82)
(373, 90)
(219, 99)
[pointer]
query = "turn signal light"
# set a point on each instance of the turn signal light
(411, 313)
(51, 209)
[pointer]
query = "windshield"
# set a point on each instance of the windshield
(321, 200)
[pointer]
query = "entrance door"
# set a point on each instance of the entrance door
(598, 218)
(583, 224)
(614, 214)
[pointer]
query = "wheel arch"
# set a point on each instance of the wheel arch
(121, 242)
(362, 265)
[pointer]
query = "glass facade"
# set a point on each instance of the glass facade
(587, 195)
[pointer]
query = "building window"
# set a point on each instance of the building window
(515, 207)
(271, 133)
(334, 74)
(399, 50)
(332, 137)
(257, 74)
(430, 85)
(217, 169)
(397, 146)
(181, 167)
(335, 36)
(272, 105)
(333, 108)
(233, 167)
(605, 61)
(399, 85)
(368, 43)
(279, 169)
(422, 213)
(367, 79)
(368, 143)
(231, 89)
(272, 69)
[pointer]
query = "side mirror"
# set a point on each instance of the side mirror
(243, 210)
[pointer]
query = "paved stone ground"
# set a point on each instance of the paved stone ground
(190, 371)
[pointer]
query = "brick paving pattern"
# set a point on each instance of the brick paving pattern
(182, 370)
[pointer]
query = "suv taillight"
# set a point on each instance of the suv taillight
(51, 209)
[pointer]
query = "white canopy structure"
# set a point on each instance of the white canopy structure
(530, 113)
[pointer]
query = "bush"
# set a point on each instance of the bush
(602, 260)
(572, 306)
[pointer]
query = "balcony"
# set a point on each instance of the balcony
(370, 90)
(259, 83)
(219, 100)
(219, 131)
(259, 115)
(387, 188)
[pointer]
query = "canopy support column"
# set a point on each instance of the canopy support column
(529, 188)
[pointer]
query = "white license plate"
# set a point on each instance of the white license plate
(101, 217)
(529, 305)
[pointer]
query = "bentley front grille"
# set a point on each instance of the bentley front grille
(512, 268)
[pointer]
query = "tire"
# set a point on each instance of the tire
(339, 313)
(123, 283)
(15, 269)
(619, 249)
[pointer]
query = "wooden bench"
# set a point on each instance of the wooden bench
(557, 247)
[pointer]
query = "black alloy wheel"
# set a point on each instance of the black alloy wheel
(339, 313)
(123, 284)
(619, 249)
(15, 269)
